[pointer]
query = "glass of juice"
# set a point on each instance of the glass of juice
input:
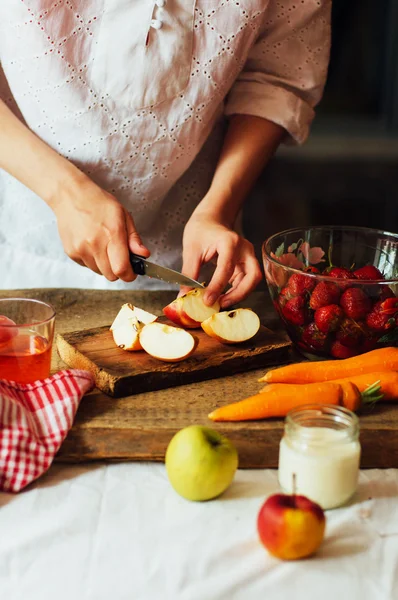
(26, 337)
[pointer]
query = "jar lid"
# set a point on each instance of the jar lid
(302, 420)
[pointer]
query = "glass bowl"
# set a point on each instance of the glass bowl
(334, 288)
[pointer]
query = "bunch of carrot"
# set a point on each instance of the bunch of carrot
(351, 382)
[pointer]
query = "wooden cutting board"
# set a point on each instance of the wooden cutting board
(119, 373)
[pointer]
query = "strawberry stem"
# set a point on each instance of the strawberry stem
(371, 395)
(330, 250)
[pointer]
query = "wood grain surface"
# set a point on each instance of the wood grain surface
(140, 427)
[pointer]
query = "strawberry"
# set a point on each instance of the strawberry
(338, 350)
(295, 311)
(328, 318)
(368, 272)
(341, 273)
(313, 337)
(311, 269)
(284, 296)
(390, 306)
(324, 294)
(350, 333)
(299, 284)
(355, 303)
(383, 315)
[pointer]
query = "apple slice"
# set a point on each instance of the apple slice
(189, 310)
(143, 316)
(127, 335)
(127, 326)
(166, 342)
(232, 326)
(129, 311)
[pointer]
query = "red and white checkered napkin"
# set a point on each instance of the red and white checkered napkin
(34, 421)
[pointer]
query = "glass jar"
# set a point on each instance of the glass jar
(319, 454)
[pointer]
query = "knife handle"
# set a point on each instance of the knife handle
(137, 262)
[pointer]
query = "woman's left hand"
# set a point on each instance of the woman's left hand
(205, 239)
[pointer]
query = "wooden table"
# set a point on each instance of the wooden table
(134, 427)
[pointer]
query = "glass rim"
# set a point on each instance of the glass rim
(31, 300)
(318, 276)
(332, 413)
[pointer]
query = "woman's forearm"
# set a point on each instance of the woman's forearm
(249, 144)
(32, 161)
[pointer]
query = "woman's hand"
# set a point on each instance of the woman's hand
(97, 231)
(208, 235)
(206, 239)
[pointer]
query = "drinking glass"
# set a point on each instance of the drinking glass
(26, 338)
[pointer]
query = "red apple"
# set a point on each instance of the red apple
(291, 526)
(167, 343)
(190, 311)
(8, 329)
(233, 326)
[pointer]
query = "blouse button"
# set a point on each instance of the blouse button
(156, 24)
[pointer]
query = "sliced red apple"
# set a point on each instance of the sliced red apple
(166, 342)
(129, 311)
(189, 310)
(232, 326)
(127, 335)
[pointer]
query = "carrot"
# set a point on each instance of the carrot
(280, 398)
(388, 381)
(383, 359)
(353, 398)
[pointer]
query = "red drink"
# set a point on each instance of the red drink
(25, 357)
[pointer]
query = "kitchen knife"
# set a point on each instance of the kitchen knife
(141, 266)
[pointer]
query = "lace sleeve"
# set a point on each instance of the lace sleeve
(285, 73)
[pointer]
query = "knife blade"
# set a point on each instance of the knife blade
(142, 266)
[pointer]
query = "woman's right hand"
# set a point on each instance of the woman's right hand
(97, 231)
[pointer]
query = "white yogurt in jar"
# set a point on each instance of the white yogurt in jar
(319, 455)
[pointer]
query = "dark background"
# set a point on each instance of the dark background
(347, 171)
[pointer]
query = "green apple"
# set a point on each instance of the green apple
(200, 463)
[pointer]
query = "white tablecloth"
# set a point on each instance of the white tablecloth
(121, 532)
